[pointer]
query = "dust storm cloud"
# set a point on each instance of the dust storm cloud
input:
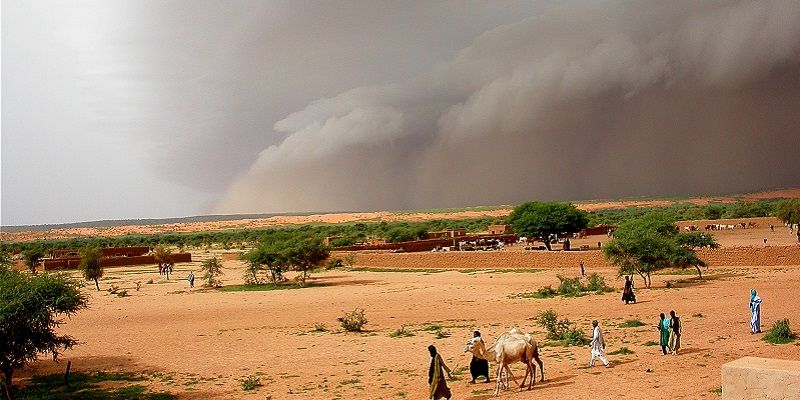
(611, 99)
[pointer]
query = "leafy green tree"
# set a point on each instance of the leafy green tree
(213, 270)
(90, 264)
(30, 311)
(788, 211)
(541, 219)
(270, 256)
(31, 257)
(714, 211)
(306, 255)
(653, 242)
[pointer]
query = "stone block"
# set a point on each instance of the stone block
(752, 378)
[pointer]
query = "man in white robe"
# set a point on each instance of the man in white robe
(598, 346)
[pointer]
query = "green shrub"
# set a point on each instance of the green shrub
(650, 343)
(597, 284)
(401, 332)
(631, 323)
(320, 327)
(354, 321)
(780, 333)
(335, 263)
(251, 382)
(561, 330)
(570, 287)
(623, 351)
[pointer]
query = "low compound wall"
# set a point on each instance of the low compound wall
(734, 256)
(761, 378)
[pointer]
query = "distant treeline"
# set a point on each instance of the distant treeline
(350, 233)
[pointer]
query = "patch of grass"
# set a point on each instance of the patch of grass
(623, 351)
(250, 383)
(478, 392)
(92, 386)
(631, 323)
(780, 333)
(350, 382)
(259, 288)
(401, 395)
(440, 334)
(320, 327)
(401, 332)
(697, 315)
(650, 343)
(717, 391)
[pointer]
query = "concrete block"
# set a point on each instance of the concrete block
(752, 378)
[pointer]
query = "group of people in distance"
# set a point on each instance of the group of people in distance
(670, 330)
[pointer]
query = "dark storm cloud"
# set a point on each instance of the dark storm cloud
(119, 109)
(584, 101)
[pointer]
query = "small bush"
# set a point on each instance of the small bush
(441, 334)
(138, 285)
(401, 332)
(623, 351)
(561, 330)
(650, 343)
(597, 284)
(780, 333)
(545, 292)
(570, 287)
(353, 321)
(335, 263)
(320, 327)
(122, 293)
(631, 323)
(251, 382)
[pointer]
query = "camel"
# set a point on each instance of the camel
(510, 347)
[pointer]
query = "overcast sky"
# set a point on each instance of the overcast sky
(137, 109)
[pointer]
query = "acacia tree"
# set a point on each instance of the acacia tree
(32, 257)
(653, 242)
(213, 270)
(540, 220)
(30, 311)
(270, 256)
(305, 256)
(788, 211)
(90, 264)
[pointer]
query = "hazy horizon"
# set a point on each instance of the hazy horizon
(141, 110)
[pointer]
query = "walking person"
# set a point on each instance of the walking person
(598, 346)
(190, 278)
(675, 333)
(755, 312)
(627, 293)
(663, 329)
(436, 379)
(583, 269)
(479, 366)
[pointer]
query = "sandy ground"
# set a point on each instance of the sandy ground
(199, 343)
(334, 218)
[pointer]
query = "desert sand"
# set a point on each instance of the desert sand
(199, 343)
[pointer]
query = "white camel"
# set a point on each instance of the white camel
(510, 347)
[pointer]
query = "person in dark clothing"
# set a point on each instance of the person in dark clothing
(479, 366)
(436, 379)
(627, 293)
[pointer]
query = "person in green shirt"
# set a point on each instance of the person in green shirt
(663, 328)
